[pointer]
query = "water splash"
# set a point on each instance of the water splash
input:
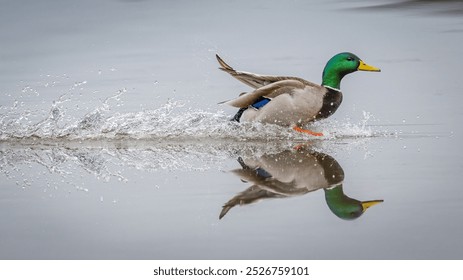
(171, 121)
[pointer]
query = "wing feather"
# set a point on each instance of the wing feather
(270, 91)
(255, 80)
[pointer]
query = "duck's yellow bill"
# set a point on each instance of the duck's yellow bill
(368, 204)
(365, 67)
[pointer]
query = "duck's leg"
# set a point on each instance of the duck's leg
(310, 132)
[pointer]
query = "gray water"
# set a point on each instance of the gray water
(112, 145)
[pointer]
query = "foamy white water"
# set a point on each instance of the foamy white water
(172, 121)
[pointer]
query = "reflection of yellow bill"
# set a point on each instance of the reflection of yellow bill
(368, 204)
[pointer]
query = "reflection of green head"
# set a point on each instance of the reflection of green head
(345, 207)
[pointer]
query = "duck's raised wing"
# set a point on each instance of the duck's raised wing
(269, 91)
(255, 80)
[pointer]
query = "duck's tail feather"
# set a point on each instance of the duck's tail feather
(238, 115)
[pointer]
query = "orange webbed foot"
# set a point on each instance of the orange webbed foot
(306, 131)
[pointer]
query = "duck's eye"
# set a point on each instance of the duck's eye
(350, 58)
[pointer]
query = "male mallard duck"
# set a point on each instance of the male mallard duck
(292, 101)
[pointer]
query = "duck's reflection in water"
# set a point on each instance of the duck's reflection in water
(293, 173)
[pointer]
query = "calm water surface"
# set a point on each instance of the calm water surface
(112, 145)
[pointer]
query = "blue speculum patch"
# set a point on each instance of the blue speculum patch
(261, 102)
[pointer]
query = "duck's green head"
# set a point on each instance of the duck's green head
(342, 64)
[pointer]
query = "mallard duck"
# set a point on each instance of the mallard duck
(292, 101)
